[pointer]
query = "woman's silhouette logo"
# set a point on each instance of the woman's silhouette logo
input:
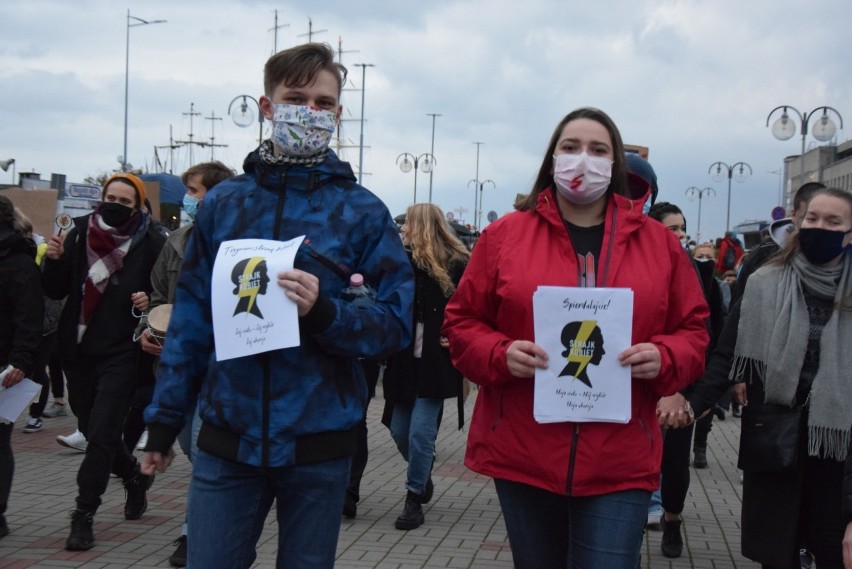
(584, 345)
(250, 276)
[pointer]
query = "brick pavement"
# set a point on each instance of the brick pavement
(463, 525)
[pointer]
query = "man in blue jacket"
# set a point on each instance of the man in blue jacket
(282, 424)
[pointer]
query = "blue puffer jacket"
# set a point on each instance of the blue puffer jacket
(301, 404)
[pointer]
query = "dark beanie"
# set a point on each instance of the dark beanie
(639, 166)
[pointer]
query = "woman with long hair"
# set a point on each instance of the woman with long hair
(418, 379)
(787, 339)
(574, 494)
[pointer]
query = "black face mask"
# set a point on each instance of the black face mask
(821, 245)
(115, 214)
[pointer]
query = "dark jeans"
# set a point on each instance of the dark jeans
(7, 465)
(45, 349)
(675, 468)
(100, 389)
(359, 459)
(555, 531)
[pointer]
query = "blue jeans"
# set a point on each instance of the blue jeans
(229, 503)
(593, 532)
(414, 427)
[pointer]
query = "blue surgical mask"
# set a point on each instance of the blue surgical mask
(190, 206)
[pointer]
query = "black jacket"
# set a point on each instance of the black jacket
(433, 375)
(21, 302)
(110, 330)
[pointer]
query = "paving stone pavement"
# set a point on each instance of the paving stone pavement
(463, 526)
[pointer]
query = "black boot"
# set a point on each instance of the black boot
(81, 538)
(700, 460)
(178, 558)
(672, 544)
(426, 497)
(135, 488)
(412, 515)
(350, 506)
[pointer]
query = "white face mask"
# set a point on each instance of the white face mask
(580, 178)
(299, 130)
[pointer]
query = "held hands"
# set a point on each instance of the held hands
(154, 462)
(444, 342)
(300, 287)
(55, 247)
(674, 411)
(847, 547)
(741, 397)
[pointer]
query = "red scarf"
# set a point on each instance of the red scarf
(105, 251)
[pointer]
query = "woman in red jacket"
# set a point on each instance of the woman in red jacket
(574, 495)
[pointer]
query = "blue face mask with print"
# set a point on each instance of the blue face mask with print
(190, 205)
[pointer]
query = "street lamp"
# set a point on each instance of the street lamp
(691, 193)
(4, 164)
(137, 22)
(363, 67)
(425, 162)
(477, 215)
(434, 116)
(475, 194)
(243, 116)
(784, 128)
(718, 175)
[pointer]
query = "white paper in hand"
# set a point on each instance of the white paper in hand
(13, 400)
(583, 330)
(251, 313)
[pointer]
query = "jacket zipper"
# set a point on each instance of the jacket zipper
(500, 412)
(609, 247)
(575, 438)
(264, 357)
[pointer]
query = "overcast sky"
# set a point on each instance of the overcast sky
(692, 80)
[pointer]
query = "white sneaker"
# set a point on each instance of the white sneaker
(143, 440)
(75, 440)
(55, 410)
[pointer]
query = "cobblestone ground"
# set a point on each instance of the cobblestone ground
(463, 526)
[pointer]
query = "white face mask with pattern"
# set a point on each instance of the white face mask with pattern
(299, 130)
(580, 178)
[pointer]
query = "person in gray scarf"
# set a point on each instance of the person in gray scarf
(784, 338)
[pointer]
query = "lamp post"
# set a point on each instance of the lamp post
(243, 116)
(784, 128)
(691, 193)
(477, 215)
(476, 180)
(4, 164)
(434, 116)
(718, 176)
(425, 162)
(137, 22)
(363, 67)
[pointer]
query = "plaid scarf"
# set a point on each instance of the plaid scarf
(267, 155)
(105, 250)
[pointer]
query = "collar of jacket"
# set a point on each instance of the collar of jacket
(304, 178)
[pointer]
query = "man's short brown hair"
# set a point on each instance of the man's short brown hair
(299, 66)
(211, 173)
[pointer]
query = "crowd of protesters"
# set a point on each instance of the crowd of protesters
(288, 426)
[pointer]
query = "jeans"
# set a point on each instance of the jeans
(229, 502)
(7, 465)
(100, 390)
(414, 427)
(593, 532)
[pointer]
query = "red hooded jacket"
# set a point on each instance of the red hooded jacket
(492, 307)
